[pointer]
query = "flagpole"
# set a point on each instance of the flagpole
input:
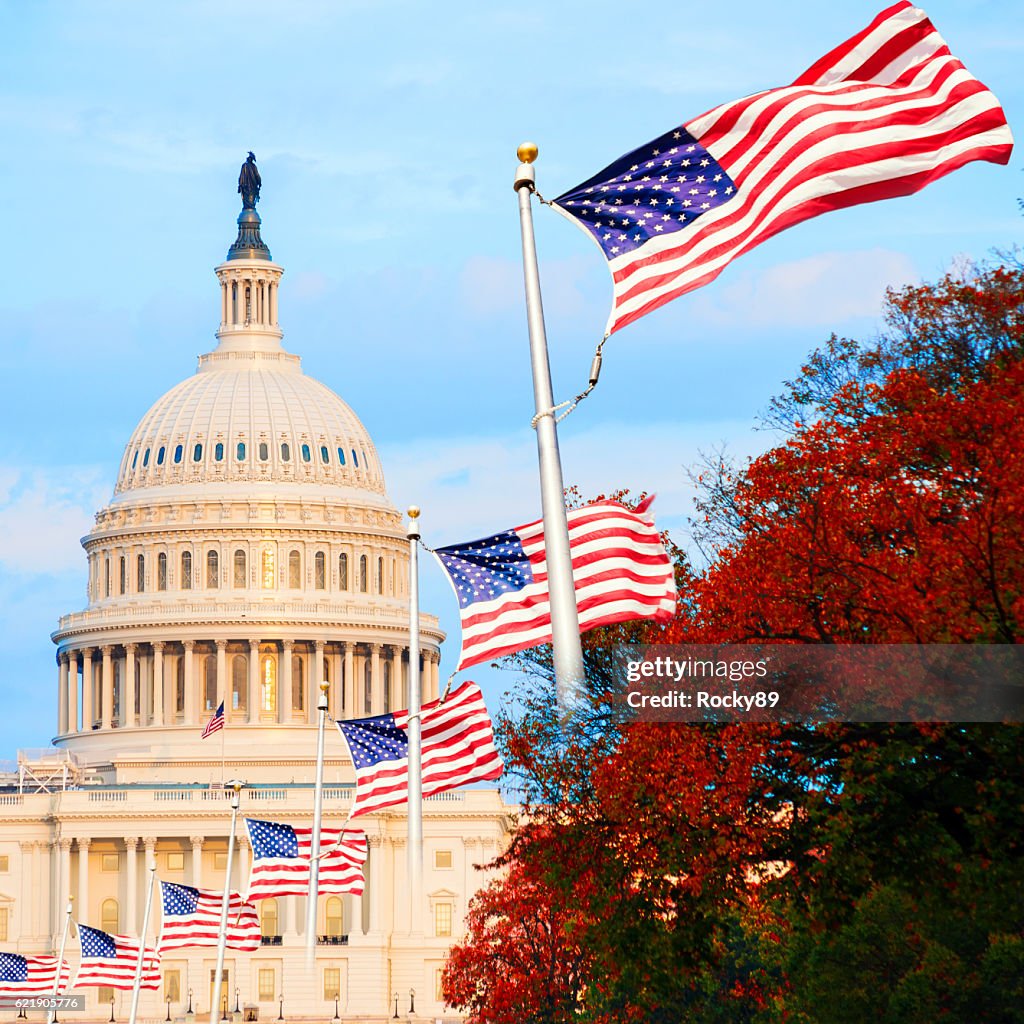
(318, 810)
(142, 946)
(565, 625)
(225, 903)
(60, 959)
(415, 819)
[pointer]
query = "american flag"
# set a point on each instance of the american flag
(280, 865)
(457, 748)
(27, 976)
(215, 724)
(110, 960)
(192, 918)
(882, 115)
(620, 568)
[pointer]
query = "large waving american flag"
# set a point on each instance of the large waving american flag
(111, 960)
(882, 115)
(191, 917)
(620, 568)
(27, 976)
(457, 748)
(281, 860)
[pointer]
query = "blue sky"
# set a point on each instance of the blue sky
(386, 137)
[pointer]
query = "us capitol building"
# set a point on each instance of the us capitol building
(249, 552)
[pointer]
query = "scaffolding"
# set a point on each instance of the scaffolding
(48, 771)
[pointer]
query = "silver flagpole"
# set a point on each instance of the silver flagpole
(415, 732)
(60, 959)
(318, 809)
(565, 623)
(142, 946)
(225, 904)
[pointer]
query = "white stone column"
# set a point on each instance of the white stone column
(376, 883)
(131, 881)
(191, 718)
(41, 900)
(285, 702)
(349, 683)
(82, 911)
(197, 860)
(150, 843)
(316, 677)
(107, 688)
(254, 680)
(158, 682)
(72, 691)
(62, 695)
(88, 712)
(396, 679)
(222, 671)
(273, 303)
(63, 884)
(29, 886)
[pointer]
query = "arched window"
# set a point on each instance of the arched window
(209, 675)
(118, 692)
(343, 572)
(335, 920)
(394, 578)
(197, 453)
(239, 680)
(268, 684)
(240, 451)
(137, 691)
(264, 451)
(239, 578)
(367, 688)
(268, 918)
(362, 574)
(298, 683)
(387, 685)
(135, 458)
(145, 459)
(161, 571)
(380, 575)
(212, 570)
(294, 570)
(268, 571)
(186, 570)
(320, 571)
(179, 687)
(324, 456)
(355, 459)
(123, 574)
(218, 452)
(109, 917)
(307, 455)
(341, 457)
(160, 455)
(106, 577)
(179, 453)
(286, 452)
(140, 573)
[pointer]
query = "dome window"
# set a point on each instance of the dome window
(179, 454)
(218, 452)
(307, 455)
(240, 574)
(161, 571)
(268, 573)
(264, 451)
(341, 457)
(135, 458)
(145, 459)
(140, 574)
(343, 571)
(294, 570)
(212, 570)
(286, 452)
(324, 457)
(355, 459)
(160, 456)
(240, 451)
(197, 453)
(186, 570)
(320, 571)
(362, 575)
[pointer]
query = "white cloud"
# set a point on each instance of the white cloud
(471, 486)
(44, 513)
(822, 290)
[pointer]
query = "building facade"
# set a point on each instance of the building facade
(249, 552)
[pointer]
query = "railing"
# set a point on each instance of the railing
(11, 800)
(332, 940)
(270, 940)
(108, 796)
(172, 795)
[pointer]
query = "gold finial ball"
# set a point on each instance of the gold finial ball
(237, 787)
(527, 152)
(325, 686)
(414, 511)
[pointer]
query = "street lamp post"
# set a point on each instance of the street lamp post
(412, 1000)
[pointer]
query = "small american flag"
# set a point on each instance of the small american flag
(26, 976)
(620, 568)
(280, 865)
(216, 723)
(882, 115)
(457, 748)
(110, 960)
(191, 917)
